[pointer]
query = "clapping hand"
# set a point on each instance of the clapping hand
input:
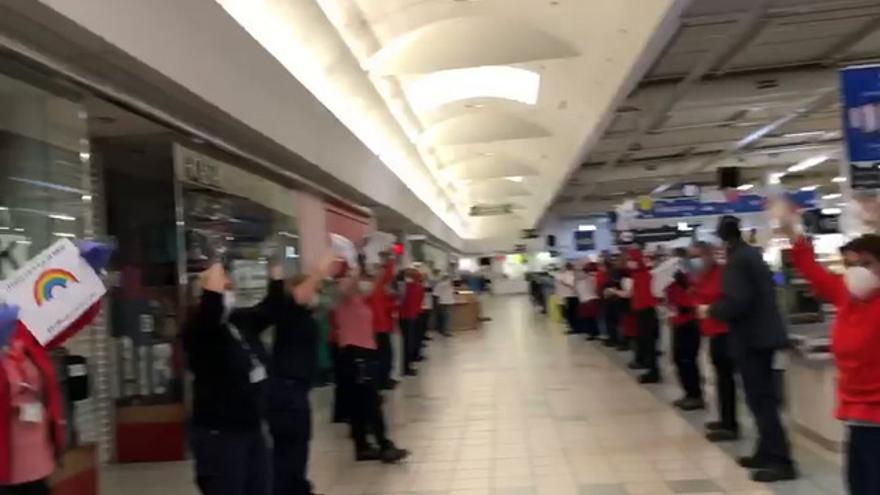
(703, 311)
(96, 254)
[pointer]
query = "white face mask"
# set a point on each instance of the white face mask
(861, 282)
(698, 264)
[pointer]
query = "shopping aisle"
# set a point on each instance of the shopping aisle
(520, 409)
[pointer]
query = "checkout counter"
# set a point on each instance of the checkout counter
(465, 314)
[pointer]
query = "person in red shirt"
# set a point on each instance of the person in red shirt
(410, 309)
(381, 304)
(855, 342)
(706, 290)
(685, 339)
(644, 305)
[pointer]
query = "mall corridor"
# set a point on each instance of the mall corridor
(518, 408)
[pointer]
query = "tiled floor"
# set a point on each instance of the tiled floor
(517, 408)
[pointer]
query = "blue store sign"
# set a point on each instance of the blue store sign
(692, 207)
(861, 124)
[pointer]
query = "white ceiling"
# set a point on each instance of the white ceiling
(444, 91)
(473, 142)
(742, 83)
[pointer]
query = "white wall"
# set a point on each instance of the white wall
(196, 44)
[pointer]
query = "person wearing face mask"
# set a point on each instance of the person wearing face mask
(644, 305)
(292, 370)
(227, 359)
(706, 290)
(32, 423)
(855, 343)
(757, 332)
(685, 336)
(359, 359)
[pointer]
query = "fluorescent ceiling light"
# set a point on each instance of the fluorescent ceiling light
(832, 196)
(515, 178)
(65, 218)
(775, 178)
(745, 187)
(810, 188)
(808, 164)
(586, 228)
(804, 134)
(684, 227)
(494, 81)
(64, 234)
(831, 211)
(839, 179)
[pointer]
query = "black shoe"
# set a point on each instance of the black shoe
(722, 435)
(572, 332)
(752, 462)
(392, 455)
(775, 474)
(609, 343)
(650, 378)
(410, 372)
(446, 334)
(370, 454)
(419, 359)
(622, 347)
(592, 338)
(636, 366)
(691, 404)
(428, 338)
(389, 385)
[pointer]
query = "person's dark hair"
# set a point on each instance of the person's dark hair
(866, 244)
(680, 252)
(729, 228)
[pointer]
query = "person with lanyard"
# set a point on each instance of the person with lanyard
(359, 360)
(292, 369)
(749, 306)
(685, 336)
(855, 343)
(32, 423)
(706, 290)
(227, 359)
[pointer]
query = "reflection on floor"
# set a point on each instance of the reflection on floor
(517, 408)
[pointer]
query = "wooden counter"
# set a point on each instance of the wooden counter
(465, 312)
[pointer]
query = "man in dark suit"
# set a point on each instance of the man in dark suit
(757, 332)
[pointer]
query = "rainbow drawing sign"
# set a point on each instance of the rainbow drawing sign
(52, 289)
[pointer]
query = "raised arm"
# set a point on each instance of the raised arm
(825, 284)
(304, 293)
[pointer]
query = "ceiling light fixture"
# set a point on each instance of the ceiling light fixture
(832, 196)
(839, 179)
(810, 188)
(586, 228)
(64, 218)
(492, 81)
(808, 163)
(684, 227)
(775, 178)
(515, 178)
(745, 187)
(831, 211)
(64, 234)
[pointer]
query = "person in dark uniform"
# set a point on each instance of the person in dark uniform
(757, 332)
(292, 371)
(227, 360)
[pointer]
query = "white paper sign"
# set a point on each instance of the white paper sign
(52, 290)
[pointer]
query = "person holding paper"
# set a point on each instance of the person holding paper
(32, 428)
(227, 359)
(855, 342)
(358, 380)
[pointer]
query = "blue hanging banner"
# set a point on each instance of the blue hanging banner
(692, 207)
(861, 124)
